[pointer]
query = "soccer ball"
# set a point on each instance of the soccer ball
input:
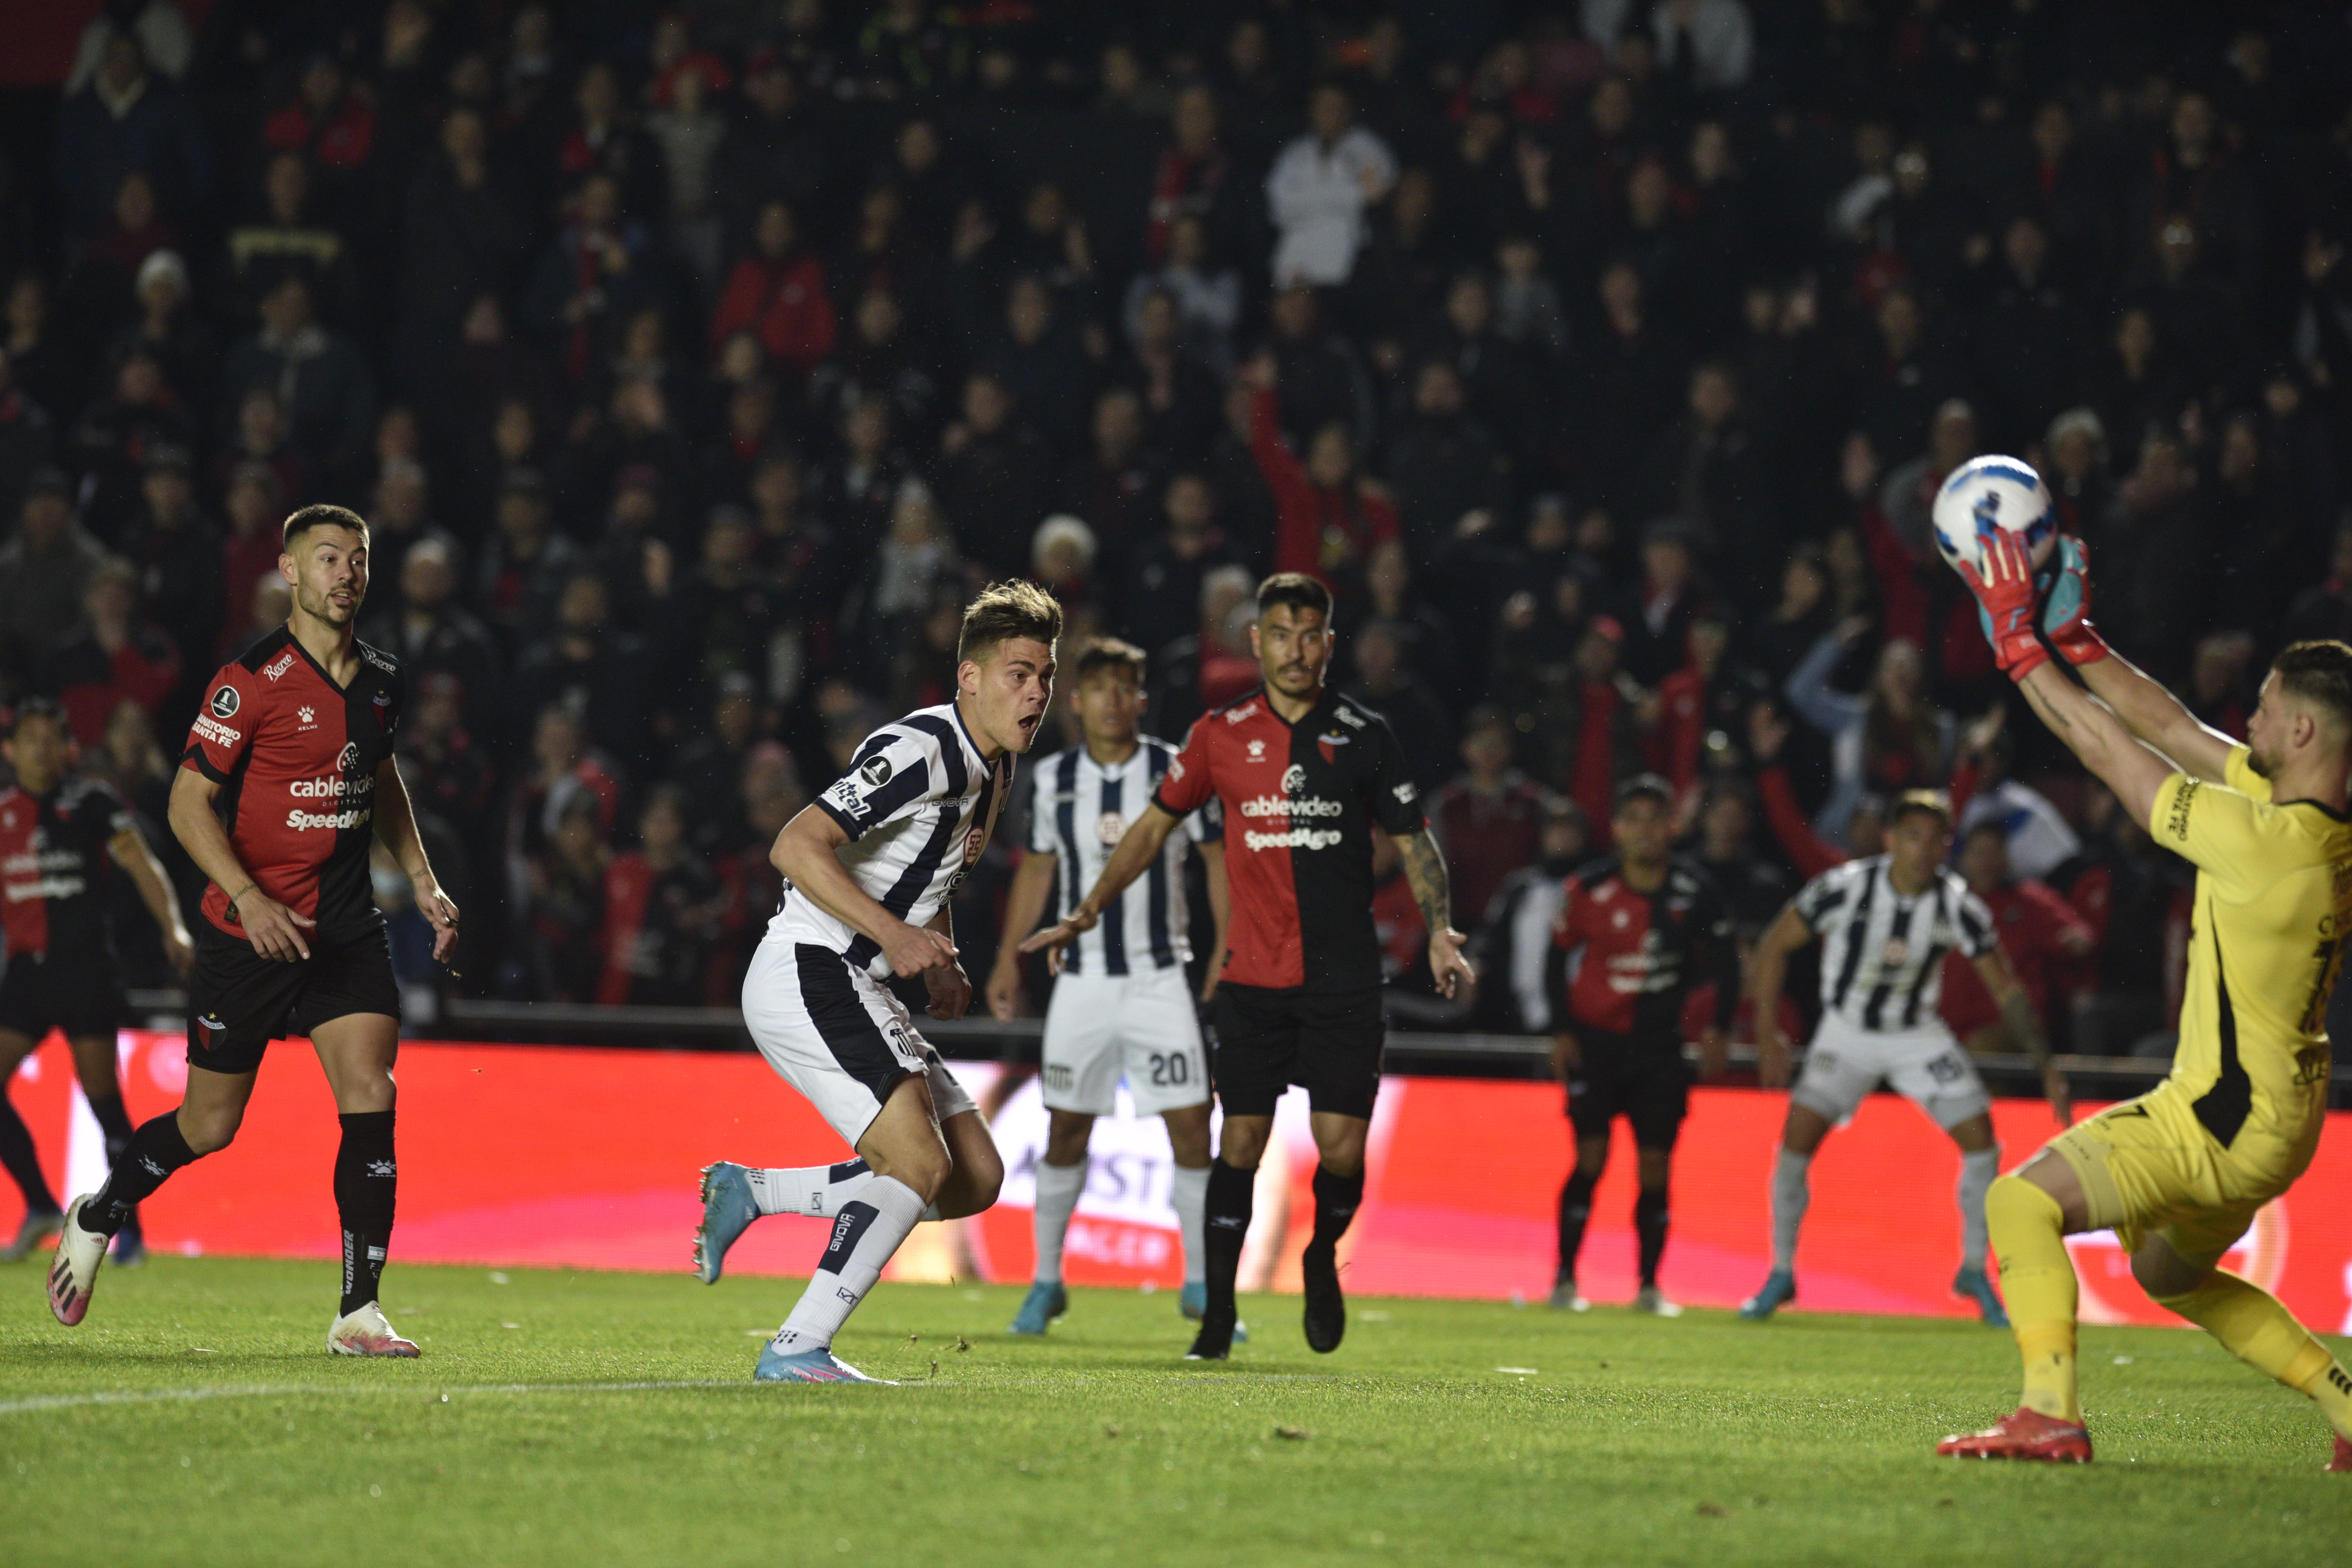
(1989, 492)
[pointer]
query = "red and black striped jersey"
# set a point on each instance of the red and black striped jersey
(1635, 957)
(295, 757)
(1300, 803)
(54, 866)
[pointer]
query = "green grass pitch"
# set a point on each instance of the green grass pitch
(575, 1419)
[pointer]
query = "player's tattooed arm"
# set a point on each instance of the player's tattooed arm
(1424, 868)
(2024, 1026)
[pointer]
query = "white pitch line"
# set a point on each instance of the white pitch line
(282, 1390)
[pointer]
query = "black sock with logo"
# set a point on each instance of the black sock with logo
(1225, 1220)
(1575, 1209)
(367, 1179)
(114, 1125)
(1337, 1199)
(156, 1150)
(22, 1162)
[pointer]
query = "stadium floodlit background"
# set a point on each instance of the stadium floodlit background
(693, 364)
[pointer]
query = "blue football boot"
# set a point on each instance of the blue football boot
(727, 1211)
(1043, 1303)
(1779, 1290)
(819, 1365)
(1973, 1284)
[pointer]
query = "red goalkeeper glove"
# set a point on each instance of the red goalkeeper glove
(2066, 613)
(2004, 592)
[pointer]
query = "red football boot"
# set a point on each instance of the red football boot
(2343, 1459)
(2028, 1435)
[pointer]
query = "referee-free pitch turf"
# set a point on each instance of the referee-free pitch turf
(582, 1419)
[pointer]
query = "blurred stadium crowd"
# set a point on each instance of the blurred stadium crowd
(694, 362)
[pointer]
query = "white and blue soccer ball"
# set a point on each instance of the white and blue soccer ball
(1989, 492)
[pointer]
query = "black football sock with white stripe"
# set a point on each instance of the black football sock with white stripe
(1224, 1224)
(156, 1150)
(367, 1179)
(1575, 1210)
(22, 1162)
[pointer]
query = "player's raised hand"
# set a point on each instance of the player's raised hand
(2066, 613)
(1448, 970)
(914, 950)
(1054, 939)
(950, 990)
(2004, 592)
(271, 926)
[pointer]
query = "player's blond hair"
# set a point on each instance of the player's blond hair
(1004, 611)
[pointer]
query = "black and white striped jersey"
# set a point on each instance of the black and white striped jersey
(918, 804)
(1883, 952)
(1080, 811)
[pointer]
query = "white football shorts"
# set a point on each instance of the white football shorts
(838, 1036)
(1098, 1027)
(1927, 1066)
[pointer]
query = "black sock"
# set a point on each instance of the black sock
(1336, 1198)
(114, 1122)
(18, 1158)
(156, 1150)
(367, 1178)
(1225, 1222)
(1575, 1208)
(1650, 1225)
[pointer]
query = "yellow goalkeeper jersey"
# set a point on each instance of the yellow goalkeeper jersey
(2273, 909)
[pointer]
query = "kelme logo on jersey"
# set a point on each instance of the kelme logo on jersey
(224, 702)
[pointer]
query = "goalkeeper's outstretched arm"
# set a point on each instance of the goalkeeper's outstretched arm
(2158, 718)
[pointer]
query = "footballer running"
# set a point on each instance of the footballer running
(1304, 777)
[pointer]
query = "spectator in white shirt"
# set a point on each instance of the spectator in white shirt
(1319, 188)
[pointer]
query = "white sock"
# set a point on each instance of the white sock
(817, 1191)
(1977, 1171)
(1059, 1187)
(1791, 1195)
(869, 1228)
(1188, 1194)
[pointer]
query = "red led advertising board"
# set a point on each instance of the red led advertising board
(587, 1158)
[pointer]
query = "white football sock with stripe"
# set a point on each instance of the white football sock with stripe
(1059, 1187)
(817, 1191)
(869, 1228)
(1188, 1194)
(1977, 1173)
(1791, 1195)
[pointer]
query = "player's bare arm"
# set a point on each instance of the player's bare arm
(1785, 934)
(808, 852)
(949, 986)
(2151, 713)
(1221, 913)
(130, 851)
(2025, 1028)
(1424, 868)
(274, 930)
(1025, 901)
(1138, 849)
(395, 825)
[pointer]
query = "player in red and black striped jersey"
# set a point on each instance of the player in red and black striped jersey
(1305, 777)
(61, 839)
(288, 775)
(1638, 930)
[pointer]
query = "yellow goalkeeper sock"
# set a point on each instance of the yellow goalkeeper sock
(2259, 1330)
(2037, 1281)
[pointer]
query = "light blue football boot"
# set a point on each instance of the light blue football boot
(727, 1211)
(1779, 1290)
(819, 1365)
(1044, 1302)
(1973, 1284)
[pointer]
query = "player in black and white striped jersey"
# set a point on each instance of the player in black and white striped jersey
(1121, 1004)
(1887, 923)
(868, 869)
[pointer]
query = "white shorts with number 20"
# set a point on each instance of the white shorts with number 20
(1928, 1066)
(1142, 1024)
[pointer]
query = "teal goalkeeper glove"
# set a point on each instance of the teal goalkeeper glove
(2066, 613)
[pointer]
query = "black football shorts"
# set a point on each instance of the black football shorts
(1644, 1081)
(239, 1001)
(80, 995)
(1329, 1043)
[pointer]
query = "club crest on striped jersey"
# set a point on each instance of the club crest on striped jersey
(1110, 827)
